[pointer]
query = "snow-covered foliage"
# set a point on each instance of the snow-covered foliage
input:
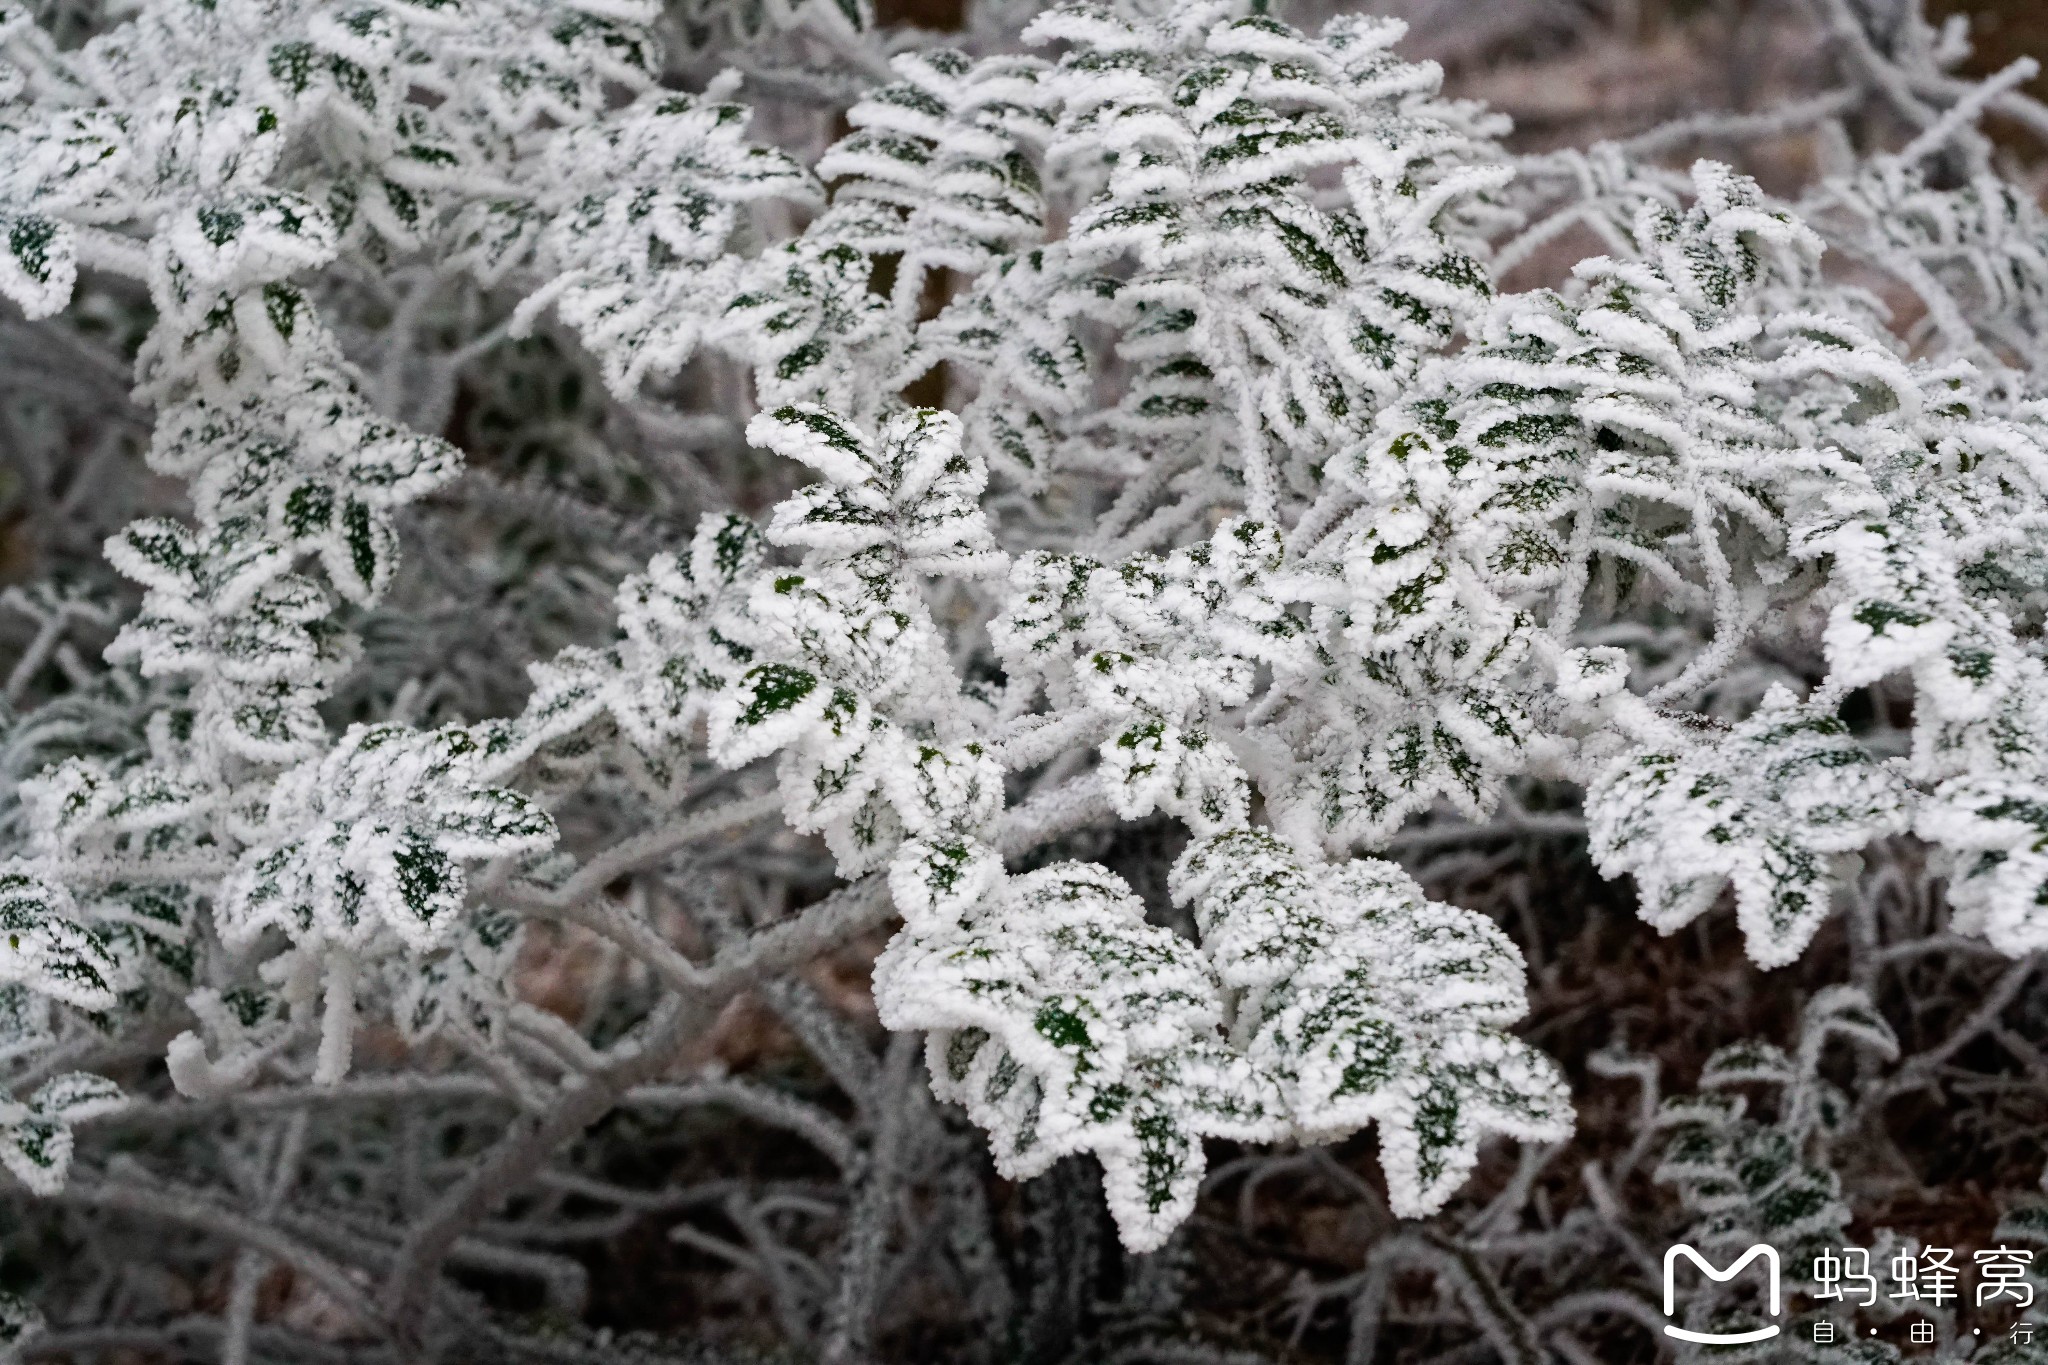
(1085, 512)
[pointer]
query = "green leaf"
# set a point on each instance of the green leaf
(36, 1139)
(1365, 1002)
(38, 263)
(1766, 805)
(372, 839)
(1064, 1023)
(45, 947)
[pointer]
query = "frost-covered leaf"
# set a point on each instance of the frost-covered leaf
(1392, 732)
(68, 168)
(38, 263)
(35, 1136)
(683, 642)
(805, 316)
(912, 493)
(223, 607)
(1747, 1062)
(949, 147)
(373, 839)
(45, 945)
(153, 929)
(1065, 1023)
(245, 239)
(1765, 806)
(1929, 543)
(465, 987)
(1746, 1181)
(1261, 324)
(311, 459)
(1997, 827)
(642, 243)
(1154, 651)
(843, 669)
(1365, 1002)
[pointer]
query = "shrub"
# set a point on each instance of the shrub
(1251, 531)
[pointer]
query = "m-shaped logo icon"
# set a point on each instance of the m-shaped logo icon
(1770, 1255)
